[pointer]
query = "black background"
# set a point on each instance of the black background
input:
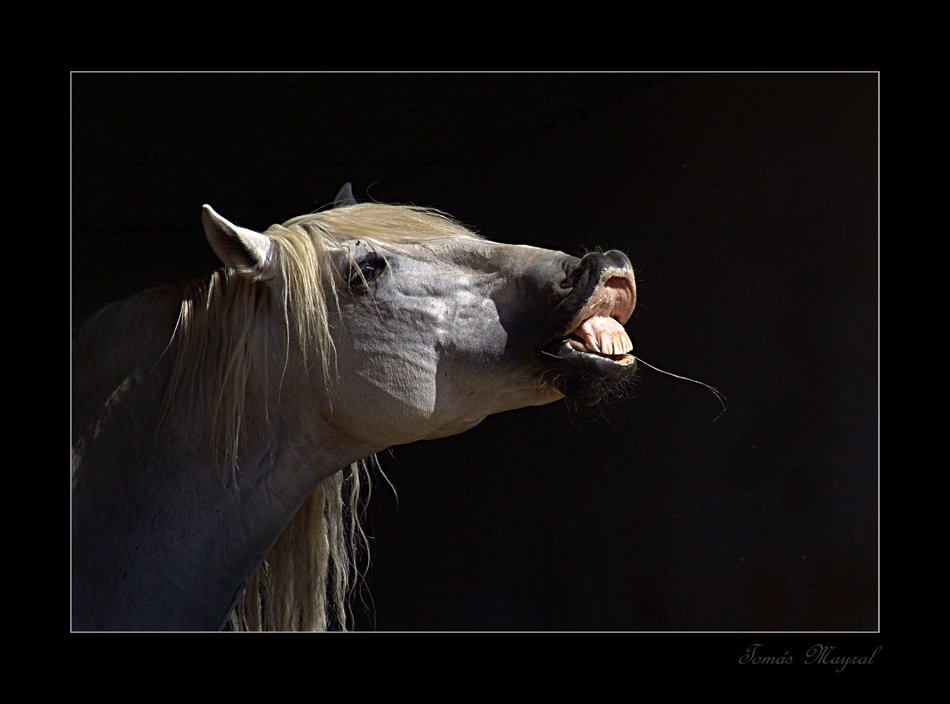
(748, 205)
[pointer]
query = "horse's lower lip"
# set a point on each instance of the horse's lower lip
(568, 349)
(623, 358)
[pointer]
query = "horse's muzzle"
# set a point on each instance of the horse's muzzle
(588, 346)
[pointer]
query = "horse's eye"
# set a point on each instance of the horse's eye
(365, 271)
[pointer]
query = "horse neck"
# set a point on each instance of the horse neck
(163, 535)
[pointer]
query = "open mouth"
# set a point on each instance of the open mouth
(597, 332)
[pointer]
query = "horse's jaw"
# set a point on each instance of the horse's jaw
(499, 403)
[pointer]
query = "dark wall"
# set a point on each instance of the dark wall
(748, 205)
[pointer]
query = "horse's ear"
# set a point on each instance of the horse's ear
(247, 252)
(345, 196)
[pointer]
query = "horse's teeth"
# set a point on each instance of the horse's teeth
(622, 343)
(604, 336)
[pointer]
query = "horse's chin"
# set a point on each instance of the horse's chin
(584, 376)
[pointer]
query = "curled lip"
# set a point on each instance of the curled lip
(615, 298)
(596, 331)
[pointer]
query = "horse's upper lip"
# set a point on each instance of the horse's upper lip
(615, 298)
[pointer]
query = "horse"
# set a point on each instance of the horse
(222, 427)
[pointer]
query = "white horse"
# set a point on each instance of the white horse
(211, 420)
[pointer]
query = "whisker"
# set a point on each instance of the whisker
(722, 399)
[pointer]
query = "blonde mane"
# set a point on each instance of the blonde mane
(222, 335)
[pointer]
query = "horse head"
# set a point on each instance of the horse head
(430, 328)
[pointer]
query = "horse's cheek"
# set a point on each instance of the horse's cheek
(389, 396)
